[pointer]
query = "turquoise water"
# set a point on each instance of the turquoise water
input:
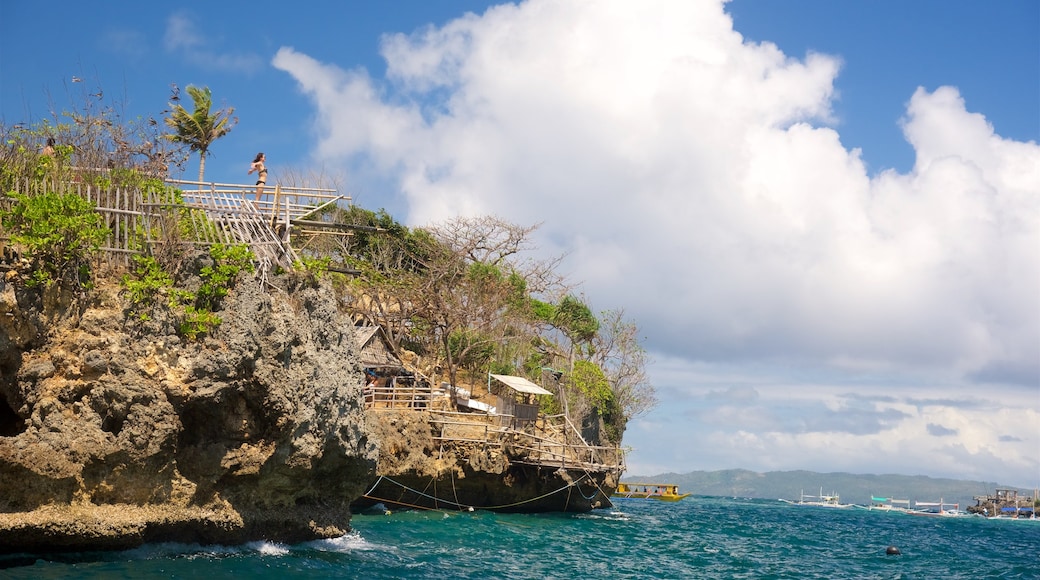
(700, 537)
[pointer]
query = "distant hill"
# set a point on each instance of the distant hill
(853, 488)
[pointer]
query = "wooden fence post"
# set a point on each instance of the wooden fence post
(274, 208)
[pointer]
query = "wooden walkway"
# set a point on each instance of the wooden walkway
(264, 221)
(207, 214)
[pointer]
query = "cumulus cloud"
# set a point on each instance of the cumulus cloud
(672, 159)
(822, 428)
(184, 36)
(940, 431)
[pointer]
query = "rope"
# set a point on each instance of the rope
(593, 496)
(605, 494)
(569, 485)
(418, 507)
(417, 492)
(374, 486)
(454, 492)
(466, 507)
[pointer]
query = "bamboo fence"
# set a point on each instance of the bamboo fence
(139, 219)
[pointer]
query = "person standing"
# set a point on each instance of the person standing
(259, 166)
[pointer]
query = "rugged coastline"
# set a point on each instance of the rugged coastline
(115, 433)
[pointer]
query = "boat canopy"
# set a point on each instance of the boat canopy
(521, 385)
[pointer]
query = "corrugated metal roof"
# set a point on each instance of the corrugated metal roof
(521, 385)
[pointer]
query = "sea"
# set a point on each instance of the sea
(699, 537)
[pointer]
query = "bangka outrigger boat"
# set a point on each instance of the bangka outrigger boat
(661, 491)
(830, 501)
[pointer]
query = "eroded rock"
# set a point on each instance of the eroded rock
(114, 433)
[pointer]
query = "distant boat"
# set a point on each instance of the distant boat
(888, 504)
(1006, 505)
(1024, 514)
(829, 501)
(659, 491)
(937, 509)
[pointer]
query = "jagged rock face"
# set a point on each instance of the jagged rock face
(123, 432)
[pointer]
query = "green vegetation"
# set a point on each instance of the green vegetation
(194, 310)
(461, 293)
(219, 278)
(148, 281)
(59, 233)
(200, 128)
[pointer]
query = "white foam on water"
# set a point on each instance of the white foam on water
(268, 548)
(350, 542)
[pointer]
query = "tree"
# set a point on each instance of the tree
(469, 288)
(198, 130)
(617, 350)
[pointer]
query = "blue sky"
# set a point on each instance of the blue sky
(824, 216)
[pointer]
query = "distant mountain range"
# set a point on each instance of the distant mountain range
(853, 488)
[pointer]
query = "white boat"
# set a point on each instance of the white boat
(939, 509)
(888, 504)
(830, 501)
(1017, 513)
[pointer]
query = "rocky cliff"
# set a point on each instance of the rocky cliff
(115, 432)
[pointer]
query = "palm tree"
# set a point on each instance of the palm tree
(199, 129)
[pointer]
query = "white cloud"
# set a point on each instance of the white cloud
(184, 36)
(818, 427)
(696, 180)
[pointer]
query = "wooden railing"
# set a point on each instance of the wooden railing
(231, 213)
(398, 396)
(281, 203)
(525, 446)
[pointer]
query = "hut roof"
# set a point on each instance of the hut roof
(521, 385)
(376, 349)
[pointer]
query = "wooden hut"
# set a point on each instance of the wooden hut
(377, 352)
(387, 382)
(516, 396)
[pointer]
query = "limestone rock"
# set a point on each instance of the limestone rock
(115, 432)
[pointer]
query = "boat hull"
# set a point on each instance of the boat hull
(659, 491)
(651, 496)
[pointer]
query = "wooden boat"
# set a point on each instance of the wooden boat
(888, 504)
(828, 501)
(936, 509)
(660, 491)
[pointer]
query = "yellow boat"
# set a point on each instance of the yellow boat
(661, 491)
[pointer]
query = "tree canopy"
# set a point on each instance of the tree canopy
(465, 292)
(199, 128)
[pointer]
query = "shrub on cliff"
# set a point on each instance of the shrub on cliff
(58, 233)
(193, 310)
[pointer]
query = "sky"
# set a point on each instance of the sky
(823, 216)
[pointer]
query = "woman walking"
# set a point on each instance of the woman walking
(259, 166)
